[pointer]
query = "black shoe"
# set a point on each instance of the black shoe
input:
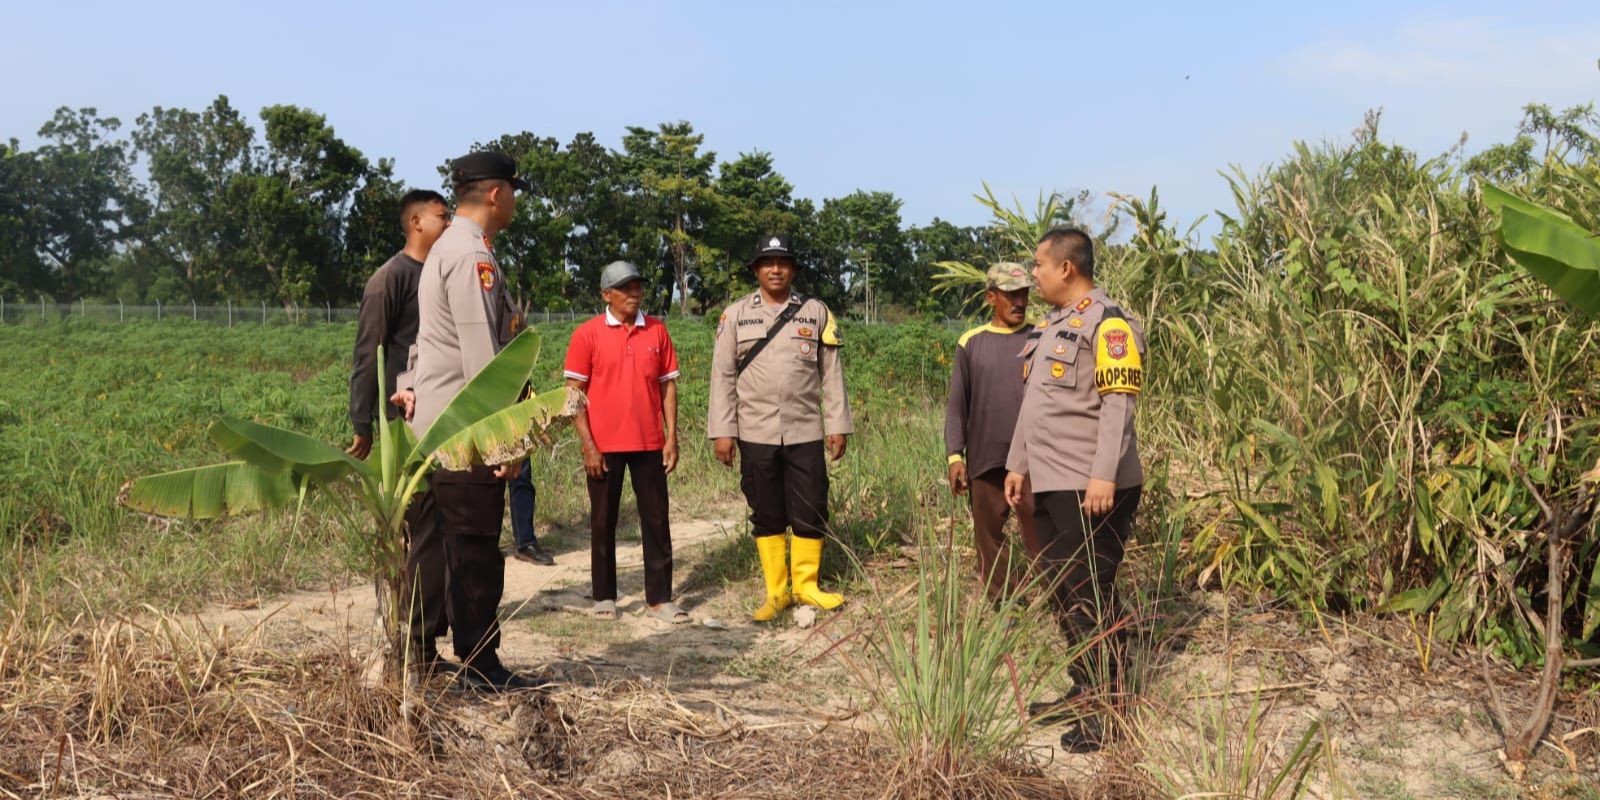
(1050, 711)
(497, 679)
(534, 554)
(1087, 736)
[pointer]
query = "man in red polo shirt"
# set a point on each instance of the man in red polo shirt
(624, 361)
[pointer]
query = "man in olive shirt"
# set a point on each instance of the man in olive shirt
(388, 316)
(981, 414)
(777, 390)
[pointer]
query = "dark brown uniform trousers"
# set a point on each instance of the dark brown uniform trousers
(990, 511)
(1080, 556)
(786, 486)
(455, 571)
(605, 499)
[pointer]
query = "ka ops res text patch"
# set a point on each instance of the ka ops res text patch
(1117, 366)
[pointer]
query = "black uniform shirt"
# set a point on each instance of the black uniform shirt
(389, 318)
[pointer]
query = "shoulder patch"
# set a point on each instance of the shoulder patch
(722, 322)
(830, 328)
(486, 277)
(1118, 366)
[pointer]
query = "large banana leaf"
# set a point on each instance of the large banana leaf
(235, 487)
(506, 435)
(1552, 247)
(495, 386)
(277, 450)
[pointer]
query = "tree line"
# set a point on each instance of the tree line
(205, 206)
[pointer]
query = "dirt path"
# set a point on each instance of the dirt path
(720, 661)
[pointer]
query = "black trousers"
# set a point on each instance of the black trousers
(454, 567)
(786, 486)
(605, 498)
(1080, 555)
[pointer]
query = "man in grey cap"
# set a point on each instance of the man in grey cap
(465, 316)
(625, 364)
(981, 414)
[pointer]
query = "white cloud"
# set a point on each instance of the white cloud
(1477, 54)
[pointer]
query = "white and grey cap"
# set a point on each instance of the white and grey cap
(617, 273)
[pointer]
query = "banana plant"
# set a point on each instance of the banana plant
(484, 424)
(1550, 246)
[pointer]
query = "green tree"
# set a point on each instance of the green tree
(751, 199)
(68, 206)
(863, 247)
(189, 239)
(673, 179)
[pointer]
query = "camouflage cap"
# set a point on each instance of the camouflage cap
(1008, 276)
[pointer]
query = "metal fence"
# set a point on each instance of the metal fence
(229, 314)
(259, 313)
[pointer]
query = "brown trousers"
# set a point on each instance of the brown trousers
(989, 514)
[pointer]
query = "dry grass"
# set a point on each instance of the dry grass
(154, 707)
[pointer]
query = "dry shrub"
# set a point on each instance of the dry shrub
(157, 707)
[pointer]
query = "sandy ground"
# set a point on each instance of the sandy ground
(1392, 729)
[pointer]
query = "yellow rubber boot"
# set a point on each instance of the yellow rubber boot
(805, 560)
(775, 570)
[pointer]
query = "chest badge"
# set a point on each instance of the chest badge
(1117, 344)
(806, 348)
(486, 275)
(806, 332)
(1058, 370)
(1075, 322)
(1061, 349)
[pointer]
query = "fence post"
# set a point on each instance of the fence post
(83, 307)
(263, 313)
(119, 310)
(158, 309)
(329, 306)
(2, 309)
(41, 307)
(194, 311)
(230, 312)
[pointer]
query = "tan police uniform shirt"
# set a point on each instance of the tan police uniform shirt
(465, 315)
(1084, 369)
(793, 392)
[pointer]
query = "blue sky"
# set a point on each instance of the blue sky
(923, 99)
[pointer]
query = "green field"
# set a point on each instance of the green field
(85, 407)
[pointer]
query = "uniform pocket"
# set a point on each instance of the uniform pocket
(647, 360)
(469, 502)
(1060, 368)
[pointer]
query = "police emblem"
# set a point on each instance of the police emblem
(1117, 344)
(806, 332)
(486, 275)
(1058, 369)
(805, 348)
(1061, 349)
(1075, 322)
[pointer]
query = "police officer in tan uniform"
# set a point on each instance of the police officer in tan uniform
(777, 389)
(465, 317)
(1075, 441)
